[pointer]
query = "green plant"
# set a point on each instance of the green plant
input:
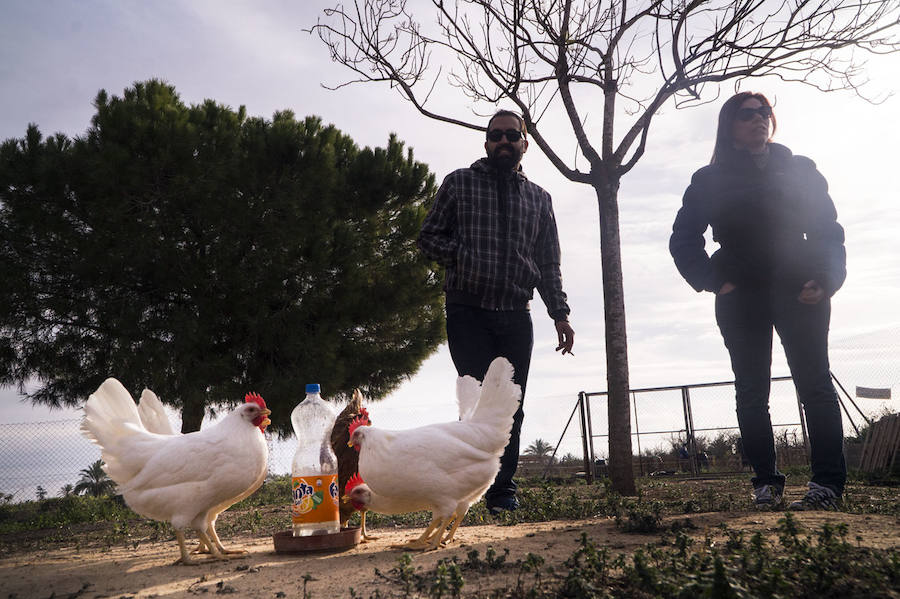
(589, 571)
(640, 516)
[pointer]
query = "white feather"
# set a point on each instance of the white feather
(153, 415)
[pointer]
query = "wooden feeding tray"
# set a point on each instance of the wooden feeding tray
(286, 542)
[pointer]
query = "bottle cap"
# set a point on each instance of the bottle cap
(313, 388)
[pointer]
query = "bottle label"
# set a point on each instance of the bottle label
(315, 499)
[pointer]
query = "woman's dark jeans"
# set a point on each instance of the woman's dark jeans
(746, 318)
(477, 336)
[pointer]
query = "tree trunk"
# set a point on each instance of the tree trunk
(192, 416)
(620, 458)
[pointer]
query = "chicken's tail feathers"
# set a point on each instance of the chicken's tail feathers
(153, 415)
(500, 396)
(110, 413)
(468, 390)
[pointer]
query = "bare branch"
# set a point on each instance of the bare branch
(564, 57)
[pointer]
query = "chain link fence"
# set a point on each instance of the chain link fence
(669, 434)
(51, 455)
(691, 428)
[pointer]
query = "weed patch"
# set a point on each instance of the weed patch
(820, 565)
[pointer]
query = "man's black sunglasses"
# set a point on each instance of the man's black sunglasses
(747, 114)
(496, 135)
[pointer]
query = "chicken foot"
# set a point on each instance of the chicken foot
(186, 559)
(456, 521)
(432, 537)
(423, 540)
(227, 553)
(437, 538)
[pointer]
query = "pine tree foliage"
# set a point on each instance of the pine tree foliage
(203, 254)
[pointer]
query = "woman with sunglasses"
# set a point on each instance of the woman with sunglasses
(780, 259)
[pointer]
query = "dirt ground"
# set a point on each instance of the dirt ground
(147, 569)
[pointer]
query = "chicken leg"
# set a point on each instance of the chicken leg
(366, 537)
(431, 537)
(456, 520)
(227, 553)
(423, 540)
(186, 559)
(436, 539)
(203, 548)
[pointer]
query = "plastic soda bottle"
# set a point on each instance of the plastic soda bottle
(314, 472)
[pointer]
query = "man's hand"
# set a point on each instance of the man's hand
(566, 337)
(812, 293)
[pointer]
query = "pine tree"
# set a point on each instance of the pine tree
(204, 254)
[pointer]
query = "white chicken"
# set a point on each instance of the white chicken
(154, 418)
(443, 467)
(183, 479)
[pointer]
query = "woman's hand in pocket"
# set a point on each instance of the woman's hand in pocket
(812, 293)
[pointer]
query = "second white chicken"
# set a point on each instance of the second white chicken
(444, 467)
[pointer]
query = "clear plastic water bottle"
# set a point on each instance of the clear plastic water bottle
(314, 472)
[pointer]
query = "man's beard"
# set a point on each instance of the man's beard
(505, 161)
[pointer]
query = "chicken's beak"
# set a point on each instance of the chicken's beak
(266, 422)
(345, 499)
(349, 443)
(266, 411)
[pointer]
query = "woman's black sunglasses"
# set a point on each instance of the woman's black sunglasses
(747, 114)
(496, 135)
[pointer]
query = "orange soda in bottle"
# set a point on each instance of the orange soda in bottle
(314, 472)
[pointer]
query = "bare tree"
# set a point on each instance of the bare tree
(558, 57)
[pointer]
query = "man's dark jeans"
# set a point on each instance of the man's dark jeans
(746, 318)
(477, 336)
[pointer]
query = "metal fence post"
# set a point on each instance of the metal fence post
(803, 427)
(588, 457)
(637, 432)
(689, 430)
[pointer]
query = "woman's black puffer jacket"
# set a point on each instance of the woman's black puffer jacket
(775, 226)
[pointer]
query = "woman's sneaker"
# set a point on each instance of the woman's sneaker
(817, 498)
(768, 497)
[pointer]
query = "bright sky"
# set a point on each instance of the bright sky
(56, 55)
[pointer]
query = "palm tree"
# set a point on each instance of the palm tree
(539, 448)
(94, 481)
(66, 490)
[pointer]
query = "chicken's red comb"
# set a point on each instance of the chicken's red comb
(364, 413)
(358, 422)
(255, 398)
(354, 482)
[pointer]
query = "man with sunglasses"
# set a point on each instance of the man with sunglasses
(495, 234)
(781, 258)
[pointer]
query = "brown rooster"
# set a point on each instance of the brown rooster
(348, 458)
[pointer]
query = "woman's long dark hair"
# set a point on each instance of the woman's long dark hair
(724, 138)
